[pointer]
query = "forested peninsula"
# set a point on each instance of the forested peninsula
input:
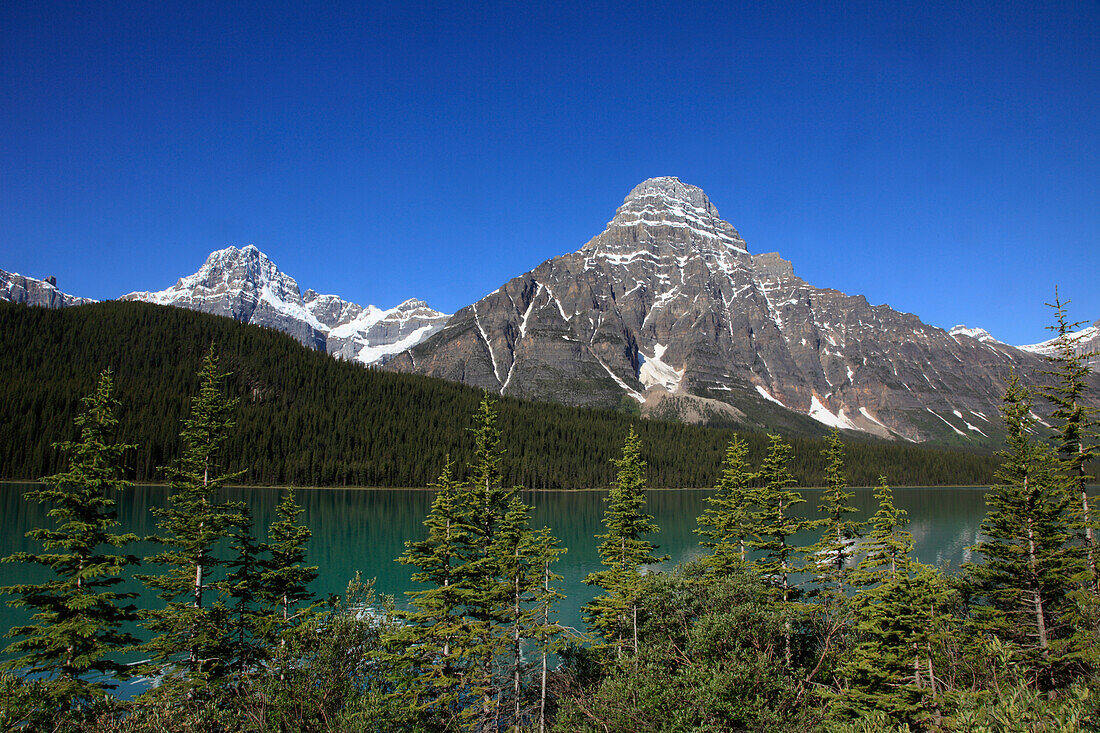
(310, 420)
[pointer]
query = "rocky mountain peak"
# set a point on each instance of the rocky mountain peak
(671, 188)
(667, 219)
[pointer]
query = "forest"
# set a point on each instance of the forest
(307, 419)
(850, 633)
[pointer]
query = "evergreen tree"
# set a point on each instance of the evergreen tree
(896, 616)
(243, 586)
(547, 632)
(623, 551)
(1025, 581)
(285, 578)
(773, 524)
(430, 649)
(832, 553)
(79, 615)
(727, 521)
(486, 598)
(1075, 424)
(193, 632)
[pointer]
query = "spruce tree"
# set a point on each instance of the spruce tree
(832, 553)
(486, 600)
(77, 628)
(726, 523)
(773, 523)
(1075, 424)
(896, 616)
(1023, 586)
(623, 551)
(284, 577)
(192, 630)
(430, 648)
(244, 588)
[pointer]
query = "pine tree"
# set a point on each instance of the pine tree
(1024, 584)
(243, 586)
(192, 631)
(431, 646)
(285, 578)
(894, 618)
(726, 523)
(1075, 424)
(79, 616)
(623, 551)
(547, 632)
(832, 553)
(486, 598)
(773, 524)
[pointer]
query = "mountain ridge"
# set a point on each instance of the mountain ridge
(669, 299)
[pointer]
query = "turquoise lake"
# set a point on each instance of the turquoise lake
(365, 530)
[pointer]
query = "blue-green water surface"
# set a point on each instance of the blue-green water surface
(365, 530)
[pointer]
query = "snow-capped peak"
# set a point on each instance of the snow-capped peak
(243, 283)
(975, 333)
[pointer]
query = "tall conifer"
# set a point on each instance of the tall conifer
(1024, 583)
(192, 629)
(727, 522)
(833, 552)
(1075, 424)
(624, 550)
(79, 615)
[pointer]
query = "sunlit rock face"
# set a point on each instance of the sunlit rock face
(16, 288)
(668, 300)
(244, 284)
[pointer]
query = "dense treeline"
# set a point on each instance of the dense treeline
(851, 634)
(309, 420)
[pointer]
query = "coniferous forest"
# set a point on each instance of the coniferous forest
(306, 419)
(850, 633)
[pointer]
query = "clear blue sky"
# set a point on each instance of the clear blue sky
(942, 158)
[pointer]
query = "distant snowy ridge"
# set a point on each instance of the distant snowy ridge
(1086, 341)
(18, 288)
(975, 333)
(245, 284)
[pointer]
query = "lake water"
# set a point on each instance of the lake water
(365, 530)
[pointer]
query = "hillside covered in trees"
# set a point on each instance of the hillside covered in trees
(307, 419)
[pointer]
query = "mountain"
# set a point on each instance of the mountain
(245, 285)
(668, 308)
(16, 288)
(306, 419)
(1087, 341)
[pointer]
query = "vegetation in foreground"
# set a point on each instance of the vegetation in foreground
(849, 634)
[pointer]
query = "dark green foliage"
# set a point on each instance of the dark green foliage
(309, 420)
(890, 670)
(1024, 583)
(772, 523)
(193, 634)
(831, 555)
(1075, 427)
(284, 579)
(78, 613)
(623, 551)
(726, 525)
(712, 659)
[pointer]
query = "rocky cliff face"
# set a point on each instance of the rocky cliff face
(668, 302)
(245, 285)
(19, 289)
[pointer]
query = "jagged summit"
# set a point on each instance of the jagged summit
(665, 218)
(667, 307)
(246, 285)
(672, 188)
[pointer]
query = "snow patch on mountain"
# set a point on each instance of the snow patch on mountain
(654, 372)
(245, 284)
